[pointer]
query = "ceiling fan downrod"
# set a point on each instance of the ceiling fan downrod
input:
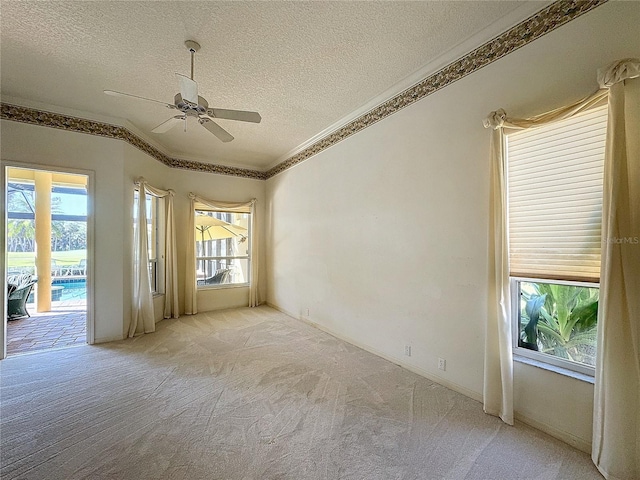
(190, 104)
(193, 47)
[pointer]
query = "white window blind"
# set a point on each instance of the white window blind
(555, 198)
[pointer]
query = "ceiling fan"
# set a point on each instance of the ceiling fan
(190, 104)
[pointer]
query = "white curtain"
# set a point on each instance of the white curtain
(616, 418)
(190, 282)
(142, 318)
(616, 425)
(191, 299)
(498, 359)
(498, 365)
(170, 261)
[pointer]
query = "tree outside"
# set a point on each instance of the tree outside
(68, 237)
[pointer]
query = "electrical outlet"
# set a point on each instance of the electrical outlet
(307, 312)
(442, 364)
(407, 350)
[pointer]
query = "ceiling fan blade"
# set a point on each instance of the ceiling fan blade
(120, 94)
(238, 115)
(188, 89)
(172, 122)
(216, 129)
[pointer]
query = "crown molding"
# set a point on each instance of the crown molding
(72, 112)
(527, 9)
(86, 115)
(33, 116)
(534, 27)
(537, 25)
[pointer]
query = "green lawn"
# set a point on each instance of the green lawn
(28, 259)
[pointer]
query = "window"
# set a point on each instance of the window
(556, 322)
(223, 243)
(153, 238)
(554, 185)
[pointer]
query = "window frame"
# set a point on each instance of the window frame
(247, 257)
(545, 358)
(156, 218)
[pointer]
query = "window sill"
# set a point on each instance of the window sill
(553, 368)
(221, 286)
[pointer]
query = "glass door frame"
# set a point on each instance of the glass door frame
(4, 166)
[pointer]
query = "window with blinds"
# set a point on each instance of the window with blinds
(554, 182)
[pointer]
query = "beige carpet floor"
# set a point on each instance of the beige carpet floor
(252, 394)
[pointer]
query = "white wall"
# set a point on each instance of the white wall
(115, 165)
(57, 148)
(215, 187)
(383, 237)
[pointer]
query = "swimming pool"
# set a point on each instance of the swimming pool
(73, 289)
(65, 289)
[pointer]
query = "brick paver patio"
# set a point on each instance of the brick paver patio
(64, 326)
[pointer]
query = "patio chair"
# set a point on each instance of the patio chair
(18, 289)
(56, 270)
(79, 269)
(221, 276)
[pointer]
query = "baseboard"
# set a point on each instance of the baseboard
(412, 368)
(280, 309)
(108, 339)
(566, 437)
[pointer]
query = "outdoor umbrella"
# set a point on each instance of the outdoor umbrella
(211, 228)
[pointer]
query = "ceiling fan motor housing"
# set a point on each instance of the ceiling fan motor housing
(184, 106)
(198, 109)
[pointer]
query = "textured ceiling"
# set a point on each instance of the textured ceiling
(303, 65)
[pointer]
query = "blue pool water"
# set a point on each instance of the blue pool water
(66, 289)
(73, 289)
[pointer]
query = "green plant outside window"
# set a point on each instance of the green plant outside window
(559, 320)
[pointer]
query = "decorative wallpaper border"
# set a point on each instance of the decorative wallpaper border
(539, 24)
(536, 26)
(32, 116)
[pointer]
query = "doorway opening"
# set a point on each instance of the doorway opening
(46, 253)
